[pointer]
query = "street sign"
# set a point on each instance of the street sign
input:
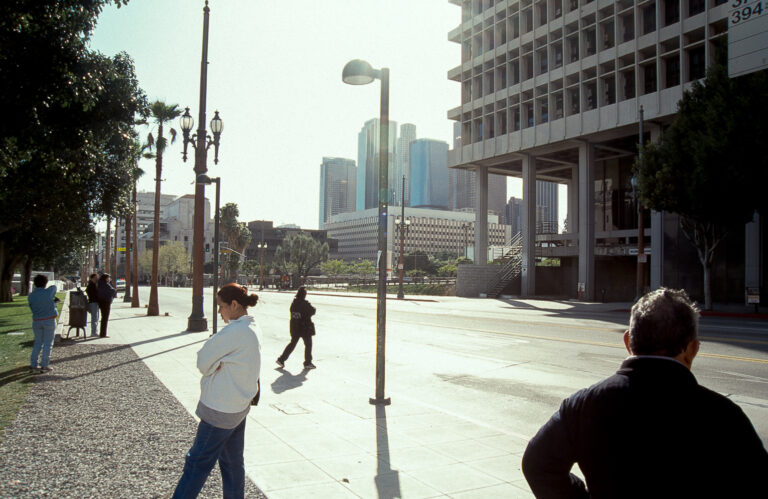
(120, 249)
(747, 36)
(225, 250)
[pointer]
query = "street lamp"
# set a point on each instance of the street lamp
(204, 179)
(359, 72)
(201, 141)
(262, 246)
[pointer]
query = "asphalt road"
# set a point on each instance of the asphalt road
(501, 363)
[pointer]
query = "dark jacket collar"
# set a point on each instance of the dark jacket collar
(663, 368)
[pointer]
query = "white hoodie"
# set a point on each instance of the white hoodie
(230, 362)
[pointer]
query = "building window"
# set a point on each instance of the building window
(628, 83)
(671, 12)
(696, 7)
(696, 65)
(649, 19)
(672, 70)
(529, 114)
(649, 78)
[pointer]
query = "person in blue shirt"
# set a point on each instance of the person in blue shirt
(42, 302)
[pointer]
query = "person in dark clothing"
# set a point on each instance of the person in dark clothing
(93, 302)
(105, 293)
(650, 430)
(301, 326)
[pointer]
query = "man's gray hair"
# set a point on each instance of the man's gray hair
(663, 322)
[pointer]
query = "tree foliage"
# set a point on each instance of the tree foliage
(302, 253)
(65, 149)
(238, 237)
(173, 261)
(710, 166)
(334, 267)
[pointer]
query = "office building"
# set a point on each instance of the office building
(338, 187)
(429, 174)
(407, 135)
(552, 90)
(368, 163)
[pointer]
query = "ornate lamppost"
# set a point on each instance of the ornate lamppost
(201, 141)
(262, 246)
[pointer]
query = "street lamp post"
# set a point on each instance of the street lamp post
(204, 179)
(640, 220)
(402, 225)
(359, 72)
(262, 246)
(201, 141)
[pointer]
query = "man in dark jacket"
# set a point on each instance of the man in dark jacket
(105, 293)
(301, 326)
(93, 303)
(650, 430)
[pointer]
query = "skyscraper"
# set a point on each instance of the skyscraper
(367, 195)
(338, 185)
(546, 207)
(407, 135)
(429, 174)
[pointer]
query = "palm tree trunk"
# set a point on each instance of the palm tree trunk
(114, 250)
(107, 249)
(135, 296)
(154, 308)
(128, 251)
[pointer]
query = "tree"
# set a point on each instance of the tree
(162, 113)
(334, 267)
(710, 166)
(173, 260)
(145, 264)
(303, 253)
(238, 237)
(364, 268)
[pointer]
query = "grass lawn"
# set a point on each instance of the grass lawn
(15, 317)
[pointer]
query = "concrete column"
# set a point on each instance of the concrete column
(587, 220)
(481, 216)
(573, 201)
(752, 253)
(528, 228)
(657, 233)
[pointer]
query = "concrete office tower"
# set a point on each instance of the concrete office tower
(407, 135)
(429, 174)
(338, 185)
(512, 214)
(546, 207)
(368, 163)
(552, 90)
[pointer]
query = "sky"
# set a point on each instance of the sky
(274, 75)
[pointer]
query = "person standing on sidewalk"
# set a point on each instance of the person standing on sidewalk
(650, 430)
(42, 302)
(301, 326)
(230, 362)
(93, 302)
(105, 293)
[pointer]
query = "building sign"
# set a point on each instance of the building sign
(747, 36)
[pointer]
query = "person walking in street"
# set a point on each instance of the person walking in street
(650, 430)
(301, 326)
(230, 362)
(105, 293)
(93, 303)
(42, 302)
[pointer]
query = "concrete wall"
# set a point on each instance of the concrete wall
(472, 280)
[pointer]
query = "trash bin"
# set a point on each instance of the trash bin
(78, 312)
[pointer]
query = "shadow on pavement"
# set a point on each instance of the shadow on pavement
(387, 480)
(15, 374)
(288, 381)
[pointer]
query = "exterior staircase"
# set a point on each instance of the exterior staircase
(510, 268)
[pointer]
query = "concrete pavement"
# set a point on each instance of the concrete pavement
(314, 432)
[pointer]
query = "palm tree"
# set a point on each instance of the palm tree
(162, 113)
(139, 152)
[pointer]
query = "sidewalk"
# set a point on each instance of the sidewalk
(328, 441)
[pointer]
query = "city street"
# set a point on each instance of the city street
(504, 364)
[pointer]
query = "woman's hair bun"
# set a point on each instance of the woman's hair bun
(252, 299)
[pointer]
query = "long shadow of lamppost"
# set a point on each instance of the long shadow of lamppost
(387, 480)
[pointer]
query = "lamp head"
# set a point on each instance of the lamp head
(217, 125)
(358, 72)
(204, 179)
(186, 122)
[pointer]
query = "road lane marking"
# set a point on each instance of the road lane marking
(584, 342)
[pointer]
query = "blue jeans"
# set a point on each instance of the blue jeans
(44, 331)
(93, 308)
(212, 444)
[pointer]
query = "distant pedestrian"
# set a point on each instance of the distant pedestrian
(650, 430)
(230, 362)
(301, 326)
(42, 302)
(105, 293)
(93, 302)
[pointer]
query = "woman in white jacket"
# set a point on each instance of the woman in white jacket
(229, 362)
